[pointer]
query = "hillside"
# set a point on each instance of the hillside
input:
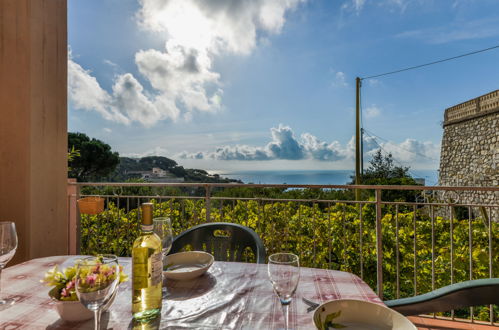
(133, 168)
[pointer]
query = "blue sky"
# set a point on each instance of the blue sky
(270, 84)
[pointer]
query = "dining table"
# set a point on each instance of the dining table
(230, 295)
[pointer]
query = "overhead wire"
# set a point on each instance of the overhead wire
(431, 63)
(399, 147)
(389, 153)
(417, 67)
(413, 174)
(374, 136)
(363, 130)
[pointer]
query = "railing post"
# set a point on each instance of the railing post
(74, 227)
(379, 246)
(208, 203)
(78, 221)
(72, 210)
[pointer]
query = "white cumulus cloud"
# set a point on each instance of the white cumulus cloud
(85, 93)
(181, 73)
(128, 96)
(127, 102)
(411, 150)
(216, 26)
(286, 146)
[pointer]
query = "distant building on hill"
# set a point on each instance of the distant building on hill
(420, 181)
(157, 175)
(470, 147)
(158, 172)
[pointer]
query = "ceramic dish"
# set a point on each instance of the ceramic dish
(359, 315)
(74, 311)
(184, 266)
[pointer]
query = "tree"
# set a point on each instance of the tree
(72, 154)
(157, 161)
(96, 159)
(382, 171)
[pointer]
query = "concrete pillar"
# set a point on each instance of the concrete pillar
(33, 124)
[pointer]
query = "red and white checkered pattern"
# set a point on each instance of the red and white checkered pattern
(229, 296)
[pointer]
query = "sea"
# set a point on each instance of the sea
(321, 177)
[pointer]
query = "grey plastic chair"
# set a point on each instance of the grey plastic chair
(227, 245)
(454, 296)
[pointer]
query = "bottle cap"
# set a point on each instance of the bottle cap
(147, 214)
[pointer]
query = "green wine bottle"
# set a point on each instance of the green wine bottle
(147, 267)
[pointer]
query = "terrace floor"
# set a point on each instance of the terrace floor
(427, 323)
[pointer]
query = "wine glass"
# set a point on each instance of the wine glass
(8, 246)
(96, 281)
(163, 228)
(284, 274)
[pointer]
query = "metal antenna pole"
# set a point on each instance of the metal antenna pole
(358, 154)
(361, 149)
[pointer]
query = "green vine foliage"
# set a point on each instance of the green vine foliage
(333, 236)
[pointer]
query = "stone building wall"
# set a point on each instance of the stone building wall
(470, 148)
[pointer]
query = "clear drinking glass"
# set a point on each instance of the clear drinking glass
(8, 246)
(284, 274)
(163, 228)
(96, 281)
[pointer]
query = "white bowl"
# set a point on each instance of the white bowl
(185, 266)
(361, 315)
(74, 311)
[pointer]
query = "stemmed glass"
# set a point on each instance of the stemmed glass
(96, 281)
(163, 228)
(8, 246)
(284, 274)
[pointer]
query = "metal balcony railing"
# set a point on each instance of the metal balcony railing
(402, 248)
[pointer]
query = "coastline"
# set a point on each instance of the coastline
(338, 177)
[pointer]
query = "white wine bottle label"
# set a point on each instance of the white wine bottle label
(156, 268)
(139, 268)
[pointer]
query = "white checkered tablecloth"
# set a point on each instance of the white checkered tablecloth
(230, 295)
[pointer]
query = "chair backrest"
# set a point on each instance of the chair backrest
(484, 291)
(226, 241)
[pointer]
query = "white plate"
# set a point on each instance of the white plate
(361, 315)
(187, 265)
